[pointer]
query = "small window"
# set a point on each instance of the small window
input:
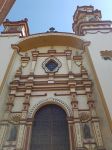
(51, 65)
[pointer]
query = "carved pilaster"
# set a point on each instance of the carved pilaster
(97, 133)
(28, 85)
(26, 103)
(91, 105)
(74, 104)
(28, 135)
(69, 61)
(95, 122)
(10, 102)
(71, 133)
(34, 60)
(22, 132)
(21, 136)
(77, 127)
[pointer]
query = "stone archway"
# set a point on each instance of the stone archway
(58, 102)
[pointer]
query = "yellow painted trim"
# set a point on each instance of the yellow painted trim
(50, 39)
(7, 71)
(100, 92)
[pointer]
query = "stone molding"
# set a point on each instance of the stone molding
(51, 100)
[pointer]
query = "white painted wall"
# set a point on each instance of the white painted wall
(103, 68)
(6, 53)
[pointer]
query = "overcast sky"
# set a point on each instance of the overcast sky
(43, 14)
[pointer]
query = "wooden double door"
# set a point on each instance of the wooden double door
(50, 129)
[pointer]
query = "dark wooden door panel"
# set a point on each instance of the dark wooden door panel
(50, 129)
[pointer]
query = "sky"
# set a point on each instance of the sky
(43, 14)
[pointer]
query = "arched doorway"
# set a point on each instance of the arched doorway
(50, 129)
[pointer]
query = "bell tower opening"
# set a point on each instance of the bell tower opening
(50, 129)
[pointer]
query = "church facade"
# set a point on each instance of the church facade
(55, 87)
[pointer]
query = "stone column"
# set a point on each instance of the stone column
(95, 123)
(77, 128)
(21, 132)
(28, 135)
(21, 136)
(71, 132)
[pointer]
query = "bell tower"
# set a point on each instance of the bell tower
(87, 19)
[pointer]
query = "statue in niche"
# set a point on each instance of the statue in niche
(13, 133)
(87, 132)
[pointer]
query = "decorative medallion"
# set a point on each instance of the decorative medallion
(51, 64)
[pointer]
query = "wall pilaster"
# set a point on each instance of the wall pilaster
(95, 123)
(77, 128)
(71, 133)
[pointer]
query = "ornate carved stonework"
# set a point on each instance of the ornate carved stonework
(15, 118)
(107, 55)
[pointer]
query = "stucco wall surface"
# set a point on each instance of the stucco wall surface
(101, 42)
